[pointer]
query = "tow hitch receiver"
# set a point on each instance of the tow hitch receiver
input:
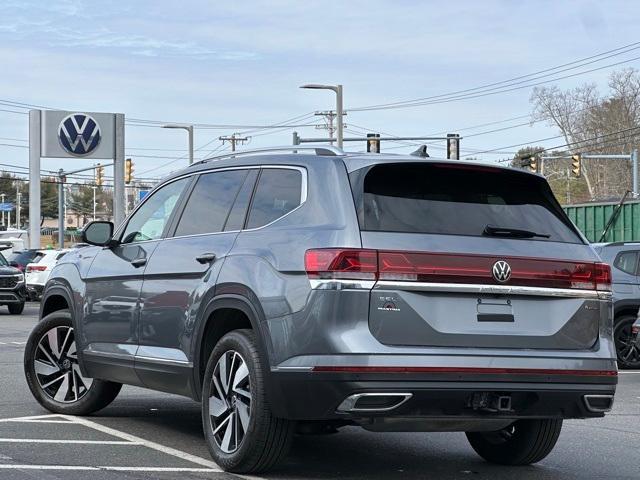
(490, 402)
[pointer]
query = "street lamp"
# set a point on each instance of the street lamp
(188, 128)
(338, 90)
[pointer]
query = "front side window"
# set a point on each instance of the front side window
(209, 204)
(277, 193)
(152, 217)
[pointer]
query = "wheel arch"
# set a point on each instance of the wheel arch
(218, 310)
(56, 298)
(624, 308)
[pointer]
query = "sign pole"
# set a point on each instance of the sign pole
(34, 177)
(118, 172)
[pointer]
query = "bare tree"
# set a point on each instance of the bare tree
(589, 123)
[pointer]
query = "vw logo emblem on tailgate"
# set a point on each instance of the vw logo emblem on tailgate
(501, 271)
(79, 134)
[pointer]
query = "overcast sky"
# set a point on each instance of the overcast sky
(242, 63)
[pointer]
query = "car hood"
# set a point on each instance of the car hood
(7, 270)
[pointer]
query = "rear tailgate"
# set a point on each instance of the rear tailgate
(445, 280)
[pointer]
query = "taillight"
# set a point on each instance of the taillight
(603, 276)
(36, 268)
(341, 263)
(334, 263)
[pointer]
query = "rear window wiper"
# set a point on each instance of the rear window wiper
(492, 231)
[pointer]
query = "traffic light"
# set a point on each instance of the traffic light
(128, 170)
(99, 175)
(576, 165)
(453, 146)
(373, 142)
(531, 163)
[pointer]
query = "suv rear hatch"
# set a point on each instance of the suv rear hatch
(475, 256)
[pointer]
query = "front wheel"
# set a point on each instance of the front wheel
(53, 373)
(242, 434)
(522, 443)
(16, 308)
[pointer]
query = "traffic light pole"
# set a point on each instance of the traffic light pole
(62, 177)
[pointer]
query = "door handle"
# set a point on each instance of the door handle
(206, 258)
(139, 262)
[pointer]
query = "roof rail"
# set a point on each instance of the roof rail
(328, 150)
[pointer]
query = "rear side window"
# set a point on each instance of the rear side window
(278, 192)
(457, 200)
(210, 202)
(627, 262)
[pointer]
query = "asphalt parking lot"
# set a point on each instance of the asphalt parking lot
(150, 435)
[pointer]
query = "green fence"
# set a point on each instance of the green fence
(591, 219)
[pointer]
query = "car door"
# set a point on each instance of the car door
(109, 326)
(181, 274)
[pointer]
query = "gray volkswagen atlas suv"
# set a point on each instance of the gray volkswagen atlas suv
(306, 290)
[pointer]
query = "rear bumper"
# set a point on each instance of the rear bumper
(447, 396)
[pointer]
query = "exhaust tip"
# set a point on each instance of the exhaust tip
(598, 403)
(373, 402)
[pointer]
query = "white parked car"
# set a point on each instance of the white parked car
(37, 272)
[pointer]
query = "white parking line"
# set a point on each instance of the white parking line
(212, 466)
(125, 439)
(112, 468)
(82, 442)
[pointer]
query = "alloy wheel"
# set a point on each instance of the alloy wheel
(56, 366)
(230, 401)
(628, 352)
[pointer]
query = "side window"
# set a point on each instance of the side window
(627, 262)
(278, 192)
(210, 202)
(239, 209)
(151, 218)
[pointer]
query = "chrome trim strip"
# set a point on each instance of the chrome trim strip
(492, 289)
(163, 361)
(341, 284)
(349, 403)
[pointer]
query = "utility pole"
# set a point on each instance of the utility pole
(329, 117)
(61, 180)
(233, 139)
(2, 196)
(18, 195)
(94, 202)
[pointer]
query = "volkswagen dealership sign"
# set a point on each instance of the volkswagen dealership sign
(78, 134)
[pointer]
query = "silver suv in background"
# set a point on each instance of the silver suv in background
(624, 259)
(305, 292)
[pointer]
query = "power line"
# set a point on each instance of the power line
(510, 82)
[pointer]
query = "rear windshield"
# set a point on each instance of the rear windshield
(457, 200)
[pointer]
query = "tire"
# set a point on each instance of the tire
(263, 439)
(16, 308)
(628, 354)
(53, 373)
(522, 443)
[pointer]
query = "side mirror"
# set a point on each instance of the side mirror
(98, 233)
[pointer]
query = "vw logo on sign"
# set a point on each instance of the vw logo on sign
(79, 134)
(501, 271)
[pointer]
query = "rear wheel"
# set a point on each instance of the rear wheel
(522, 443)
(627, 351)
(16, 308)
(242, 434)
(53, 373)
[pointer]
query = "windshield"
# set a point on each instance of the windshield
(3, 261)
(459, 200)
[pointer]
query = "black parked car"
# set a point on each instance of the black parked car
(13, 290)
